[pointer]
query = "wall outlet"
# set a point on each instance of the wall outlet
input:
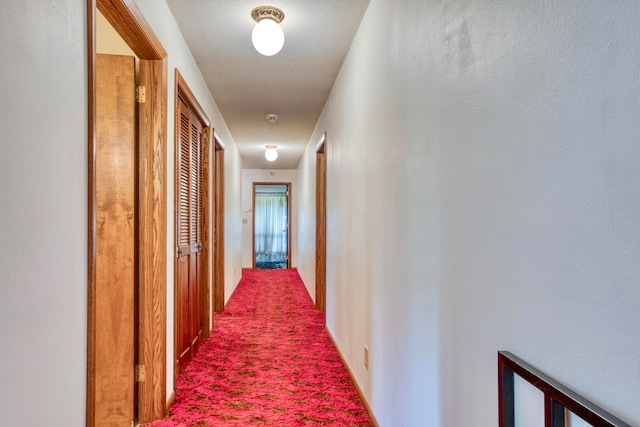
(366, 357)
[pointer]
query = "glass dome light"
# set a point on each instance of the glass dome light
(271, 154)
(267, 35)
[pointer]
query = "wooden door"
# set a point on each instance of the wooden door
(115, 177)
(218, 227)
(321, 226)
(189, 298)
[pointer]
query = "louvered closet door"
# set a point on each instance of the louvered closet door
(189, 237)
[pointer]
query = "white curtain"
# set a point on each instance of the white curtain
(271, 223)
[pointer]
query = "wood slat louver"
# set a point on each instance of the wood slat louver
(194, 182)
(200, 195)
(184, 235)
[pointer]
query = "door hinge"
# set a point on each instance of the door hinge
(140, 373)
(141, 94)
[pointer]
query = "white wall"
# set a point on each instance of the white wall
(163, 24)
(249, 176)
(43, 213)
(483, 193)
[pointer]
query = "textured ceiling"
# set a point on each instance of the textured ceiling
(294, 84)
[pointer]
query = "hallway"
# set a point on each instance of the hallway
(482, 165)
(269, 361)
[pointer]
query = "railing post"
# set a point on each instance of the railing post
(505, 394)
(558, 414)
(554, 412)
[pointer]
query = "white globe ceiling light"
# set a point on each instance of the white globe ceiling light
(267, 35)
(271, 154)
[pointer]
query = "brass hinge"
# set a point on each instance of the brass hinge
(141, 94)
(140, 373)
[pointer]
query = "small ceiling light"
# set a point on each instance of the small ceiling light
(271, 154)
(267, 35)
(272, 118)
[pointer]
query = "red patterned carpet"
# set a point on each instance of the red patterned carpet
(269, 362)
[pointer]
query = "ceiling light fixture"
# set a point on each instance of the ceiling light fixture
(267, 35)
(271, 118)
(271, 154)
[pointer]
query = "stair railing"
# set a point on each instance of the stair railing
(558, 399)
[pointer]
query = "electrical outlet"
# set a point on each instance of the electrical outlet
(366, 357)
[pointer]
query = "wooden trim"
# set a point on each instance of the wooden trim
(205, 272)
(355, 383)
(219, 142)
(130, 23)
(253, 227)
(321, 224)
(218, 233)
(176, 193)
(289, 225)
(253, 221)
(152, 240)
(170, 401)
(183, 89)
(91, 214)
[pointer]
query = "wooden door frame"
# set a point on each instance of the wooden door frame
(253, 220)
(217, 251)
(183, 91)
(321, 223)
(129, 22)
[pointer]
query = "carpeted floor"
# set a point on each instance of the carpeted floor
(269, 362)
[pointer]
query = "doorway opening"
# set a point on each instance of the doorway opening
(126, 295)
(271, 225)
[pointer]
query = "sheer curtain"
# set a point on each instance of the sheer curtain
(271, 223)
